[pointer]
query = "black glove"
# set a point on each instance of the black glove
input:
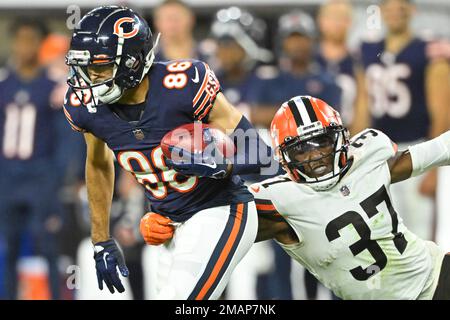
(107, 258)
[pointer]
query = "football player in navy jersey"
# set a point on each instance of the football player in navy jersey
(33, 138)
(408, 99)
(334, 21)
(125, 102)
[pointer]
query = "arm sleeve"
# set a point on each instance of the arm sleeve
(376, 146)
(72, 111)
(252, 155)
(205, 88)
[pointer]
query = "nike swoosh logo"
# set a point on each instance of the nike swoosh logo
(197, 77)
(256, 189)
(214, 165)
(104, 259)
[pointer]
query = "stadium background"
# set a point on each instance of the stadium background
(431, 21)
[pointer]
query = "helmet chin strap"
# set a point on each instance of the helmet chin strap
(150, 57)
(105, 94)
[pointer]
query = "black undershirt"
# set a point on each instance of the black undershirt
(131, 113)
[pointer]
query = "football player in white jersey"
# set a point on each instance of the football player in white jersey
(334, 207)
(332, 212)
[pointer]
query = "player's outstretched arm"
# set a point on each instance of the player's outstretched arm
(100, 185)
(420, 158)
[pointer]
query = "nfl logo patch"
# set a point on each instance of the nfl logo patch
(345, 191)
(139, 134)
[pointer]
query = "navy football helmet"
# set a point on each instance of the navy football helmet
(109, 36)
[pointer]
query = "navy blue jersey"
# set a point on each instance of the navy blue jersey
(396, 85)
(25, 114)
(180, 92)
(237, 91)
(275, 90)
(33, 133)
(345, 77)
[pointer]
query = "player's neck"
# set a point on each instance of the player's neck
(175, 50)
(299, 68)
(136, 95)
(333, 50)
(395, 42)
(27, 70)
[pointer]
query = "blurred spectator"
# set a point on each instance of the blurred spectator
(334, 21)
(175, 20)
(299, 74)
(52, 57)
(33, 155)
(408, 100)
(239, 36)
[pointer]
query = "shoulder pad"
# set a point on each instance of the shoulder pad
(205, 86)
(373, 146)
(73, 110)
(264, 200)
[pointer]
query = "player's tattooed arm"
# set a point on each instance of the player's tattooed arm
(400, 166)
(420, 158)
(100, 185)
(223, 115)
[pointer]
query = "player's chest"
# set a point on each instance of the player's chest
(361, 204)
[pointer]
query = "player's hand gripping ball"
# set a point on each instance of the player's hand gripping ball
(156, 229)
(197, 149)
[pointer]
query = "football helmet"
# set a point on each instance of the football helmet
(244, 28)
(109, 36)
(303, 125)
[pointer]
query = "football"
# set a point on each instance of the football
(195, 138)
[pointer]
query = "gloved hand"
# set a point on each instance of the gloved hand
(156, 229)
(108, 258)
(209, 163)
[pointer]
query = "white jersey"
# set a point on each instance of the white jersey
(350, 237)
